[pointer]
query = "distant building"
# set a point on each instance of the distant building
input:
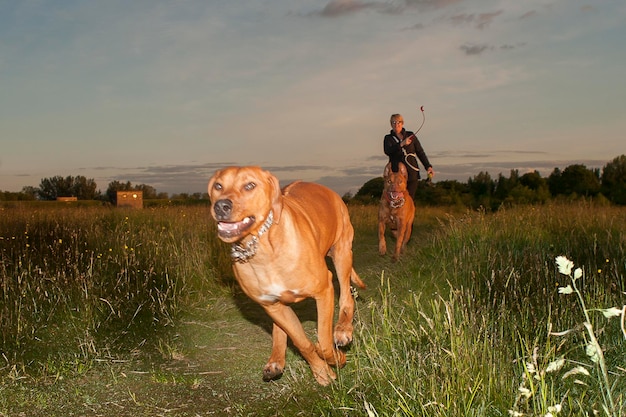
(132, 199)
(67, 198)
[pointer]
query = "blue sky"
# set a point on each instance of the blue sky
(165, 92)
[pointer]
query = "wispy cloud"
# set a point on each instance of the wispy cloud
(337, 8)
(473, 49)
(479, 21)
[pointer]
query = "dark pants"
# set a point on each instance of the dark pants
(411, 186)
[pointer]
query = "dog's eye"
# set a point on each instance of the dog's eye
(217, 186)
(249, 186)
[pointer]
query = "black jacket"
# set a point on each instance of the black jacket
(407, 154)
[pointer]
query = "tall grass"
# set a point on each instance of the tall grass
(482, 305)
(71, 279)
(467, 323)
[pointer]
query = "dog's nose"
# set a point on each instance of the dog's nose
(223, 208)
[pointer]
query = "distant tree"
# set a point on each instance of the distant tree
(27, 194)
(84, 189)
(114, 187)
(51, 188)
(555, 181)
(58, 186)
(30, 192)
(533, 180)
(613, 180)
(481, 185)
(505, 185)
(149, 192)
(575, 179)
(450, 192)
(372, 189)
(482, 188)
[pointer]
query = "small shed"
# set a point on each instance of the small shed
(67, 198)
(131, 199)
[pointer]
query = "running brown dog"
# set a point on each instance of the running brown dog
(396, 210)
(280, 239)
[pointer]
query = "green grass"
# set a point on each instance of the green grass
(110, 312)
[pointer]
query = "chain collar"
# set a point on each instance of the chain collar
(243, 252)
(396, 203)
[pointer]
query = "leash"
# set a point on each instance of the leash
(407, 155)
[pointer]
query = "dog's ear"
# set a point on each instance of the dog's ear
(402, 170)
(277, 196)
(212, 181)
(387, 170)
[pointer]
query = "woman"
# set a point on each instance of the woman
(401, 145)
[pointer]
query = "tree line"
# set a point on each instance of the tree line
(86, 189)
(481, 190)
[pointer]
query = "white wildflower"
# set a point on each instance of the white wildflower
(525, 392)
(576, 371)
(566, 290)
(555, 365)
(578, 273)
(515, 413)
(565, 265)
(592, 352)
(612, 312)
(554, 408)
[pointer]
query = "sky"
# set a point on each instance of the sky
(164, 93)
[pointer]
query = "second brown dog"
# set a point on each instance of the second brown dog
(396, 210)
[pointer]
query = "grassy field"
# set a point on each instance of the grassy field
(105, 312)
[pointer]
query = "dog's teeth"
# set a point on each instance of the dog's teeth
(224, 226)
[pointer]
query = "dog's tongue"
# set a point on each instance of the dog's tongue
(233, 228)
(395, 195)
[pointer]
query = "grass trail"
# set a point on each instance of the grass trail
(449, 330)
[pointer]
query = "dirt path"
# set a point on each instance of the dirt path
(214, 360)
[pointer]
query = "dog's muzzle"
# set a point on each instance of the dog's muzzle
(223, 209)
(395, 199)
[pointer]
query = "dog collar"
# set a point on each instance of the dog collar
(243, 252)
(397, 203)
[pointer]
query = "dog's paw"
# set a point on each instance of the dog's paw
(324, 375)
(272, 371)
(343, 335)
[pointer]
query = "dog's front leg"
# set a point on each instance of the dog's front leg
(400, 236)
(288, 321)
(325, 342)
(276, 363)
(382, 244)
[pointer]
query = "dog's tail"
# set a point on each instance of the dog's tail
(356, 280)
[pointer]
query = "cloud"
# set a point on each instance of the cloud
(473, 49)
(531, 13)
(431, 4)
(480, 21)
(336, 8)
